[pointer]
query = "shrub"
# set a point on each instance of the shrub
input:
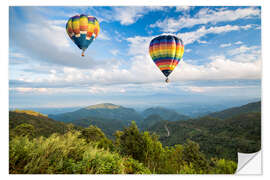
(66, 154)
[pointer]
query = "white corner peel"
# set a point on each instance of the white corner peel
(249, 163)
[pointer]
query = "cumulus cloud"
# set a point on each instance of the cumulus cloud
(205, 16)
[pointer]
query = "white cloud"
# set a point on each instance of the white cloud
(205, 16)
(202, 42)
(242, 49)
(50, 33)
(225, 45)
(139, 44)
(245, 54)
(129, 15)
(207, 89)
(106, 89)
(30, 90)
(183, 8)
(218, 69)
(190, 37)
(103, 35)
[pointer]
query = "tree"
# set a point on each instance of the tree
(192, 155)
(141, 146)
(92, 133)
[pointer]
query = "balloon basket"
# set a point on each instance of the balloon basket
(167, 80)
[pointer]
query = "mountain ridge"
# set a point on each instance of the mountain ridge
(104, 110)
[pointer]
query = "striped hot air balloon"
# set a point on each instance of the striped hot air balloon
(166, 52)
(82, 30)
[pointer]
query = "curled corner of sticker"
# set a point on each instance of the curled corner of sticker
(249, 163)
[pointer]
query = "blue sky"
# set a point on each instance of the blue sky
(222, 59)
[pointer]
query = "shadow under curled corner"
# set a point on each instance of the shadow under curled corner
(249, 164)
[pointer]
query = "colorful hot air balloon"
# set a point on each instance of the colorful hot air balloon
(82, 30)
(166, 52)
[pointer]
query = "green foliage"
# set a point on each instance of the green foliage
(92, 133)
(23, 130)
(141, 146)
(222, 166)
(66, 154)
(108, 126)
(192, 155)
(133, 166)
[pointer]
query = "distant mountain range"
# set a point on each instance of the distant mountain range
(110, 117)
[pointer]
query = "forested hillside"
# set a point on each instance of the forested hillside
(216, 137)
(250, 107)
(164, 113)
(23, 121)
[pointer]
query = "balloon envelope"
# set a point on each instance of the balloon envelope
(166, 52)
(82, 30)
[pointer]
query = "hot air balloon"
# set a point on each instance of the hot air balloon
(166, 52)
(82, 30)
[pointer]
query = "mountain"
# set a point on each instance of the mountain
(164, 113)
(222, 138)
(104, 111)
(43, 125)
(250, 107)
